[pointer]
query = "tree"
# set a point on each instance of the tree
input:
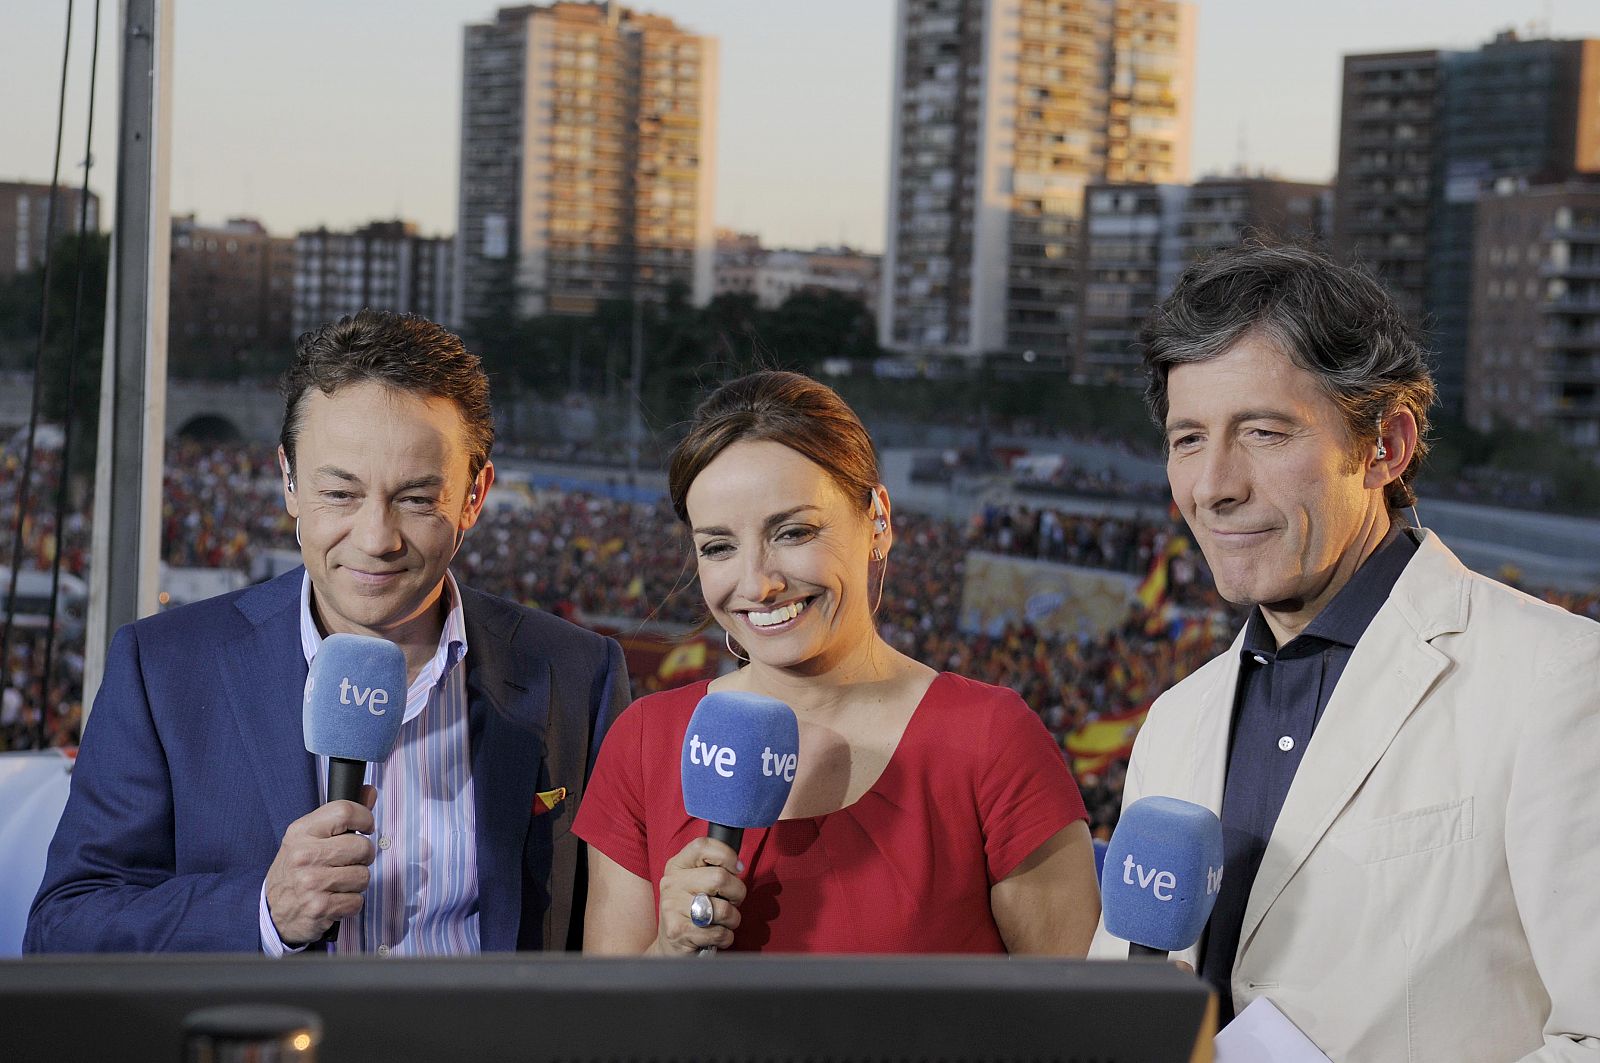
(813, 326)
(19, 334)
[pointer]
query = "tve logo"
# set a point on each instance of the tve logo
(1152, 880)
(1161, 884)
(779, 764)
(371, 697)
(720, 759)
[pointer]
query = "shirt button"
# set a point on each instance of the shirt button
(383, 842)
(383, 950)
(1286, 743)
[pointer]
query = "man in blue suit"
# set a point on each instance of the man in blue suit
(196, 820)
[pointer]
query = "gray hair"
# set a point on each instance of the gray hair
(1333, 321)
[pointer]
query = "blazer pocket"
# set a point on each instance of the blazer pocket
(1420, 830)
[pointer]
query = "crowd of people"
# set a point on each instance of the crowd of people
(595, 560)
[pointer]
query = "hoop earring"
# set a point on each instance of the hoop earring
(727, 640)
(883, 576)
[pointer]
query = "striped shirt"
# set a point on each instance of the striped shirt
(423, 897)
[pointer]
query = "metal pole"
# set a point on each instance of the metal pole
(133, 385)
(636, 392)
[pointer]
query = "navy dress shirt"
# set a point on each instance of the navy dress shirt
(1281, 696)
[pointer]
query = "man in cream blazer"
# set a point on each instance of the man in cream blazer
(1416, 858)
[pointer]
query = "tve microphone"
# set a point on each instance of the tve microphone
(739, 758)
(355, 700)
(1162, 872)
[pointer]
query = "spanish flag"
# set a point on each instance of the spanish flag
(1097, 743)
(690, 657)
(1153, 591)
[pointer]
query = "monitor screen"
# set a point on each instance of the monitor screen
(580, 1010)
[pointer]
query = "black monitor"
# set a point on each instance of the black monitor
(581, 1010)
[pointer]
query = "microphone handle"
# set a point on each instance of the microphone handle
(1137, 951)
(344, 784)
(731, 837)
(344, 779)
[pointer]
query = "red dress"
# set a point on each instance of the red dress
(974, 787)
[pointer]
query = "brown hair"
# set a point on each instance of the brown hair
(405, 352)
(807, 417)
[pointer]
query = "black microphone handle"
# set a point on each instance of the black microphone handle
(345, 777)
(1137, 951)
(729, 836)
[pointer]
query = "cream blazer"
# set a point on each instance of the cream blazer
(1431, 890)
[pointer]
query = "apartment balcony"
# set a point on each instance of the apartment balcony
(1576, 233)
(1582, 373)
(1571, 271)
(1571, 304)
(1564, 340)
(1557, 408)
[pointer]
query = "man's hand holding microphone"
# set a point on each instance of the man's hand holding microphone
(355, 700)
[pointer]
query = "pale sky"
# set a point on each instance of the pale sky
(338, 112)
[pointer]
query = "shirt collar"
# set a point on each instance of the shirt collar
(1344, 619)
(452, 644)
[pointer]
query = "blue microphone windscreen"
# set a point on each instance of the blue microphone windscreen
(739, 759)
(355, 697)
(1162, 872)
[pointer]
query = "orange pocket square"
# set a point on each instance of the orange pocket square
(545, 800)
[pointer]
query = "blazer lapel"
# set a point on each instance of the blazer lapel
(508, 711)
(1208, 741)
(1390, 672)
(263, 680)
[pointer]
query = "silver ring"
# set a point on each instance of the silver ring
(700, 911)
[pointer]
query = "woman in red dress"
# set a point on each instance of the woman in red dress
(930, 813)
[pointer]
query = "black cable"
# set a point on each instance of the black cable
(72, 385)
(38, 364)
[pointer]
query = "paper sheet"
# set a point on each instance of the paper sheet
(1261, 1034)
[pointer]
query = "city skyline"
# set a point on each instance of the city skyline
(314, 114)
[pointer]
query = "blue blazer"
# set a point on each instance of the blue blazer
(194, 764)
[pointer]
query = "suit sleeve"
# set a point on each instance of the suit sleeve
(110, 883)
(1553, 846)
(615, 694)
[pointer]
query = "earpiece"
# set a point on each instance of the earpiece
(880, 521)
(1383, 451)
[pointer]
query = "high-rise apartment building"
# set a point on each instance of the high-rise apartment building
(24, 216)
(1424, 135)
(384, 265)
(1512, 112)
(1139, 237)
(229, 299)
(1388, 168)
(1534, 355)
(1004, 111)
(588, 137)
